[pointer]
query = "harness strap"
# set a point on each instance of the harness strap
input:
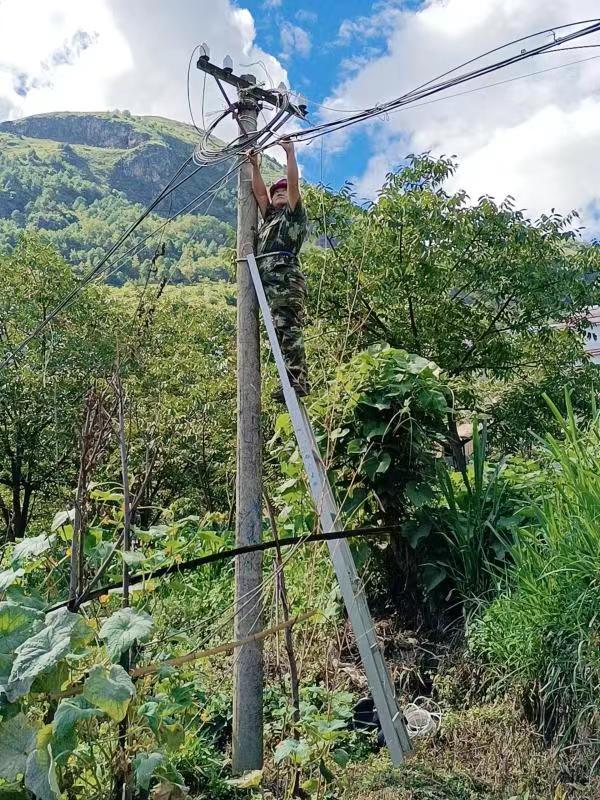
(285, 253)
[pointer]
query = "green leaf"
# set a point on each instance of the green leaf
(110, 690)
(17, 740)
(6, 662)
(70, 711)
(61, 518)
(63, 632)
(416, 531)
(30, 600)
(419, 493)
(433, 576)
(339, 433)
(373, 429)
(329, 729)
(172, 734)
(123, 629)
(249, 780)
(144, 767)
(297, 750)
(13, 792)
(8, 577)
(341, 757)
(384, 463)
(356, 446)
(133, 557)
(33, 546)
(327, 774)
(52, 680)
(40, 772)
(17, 623)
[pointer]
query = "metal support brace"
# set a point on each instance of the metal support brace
(380, 683)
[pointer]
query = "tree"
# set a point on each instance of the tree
(42, 389)
(497, 301)
(180, 385)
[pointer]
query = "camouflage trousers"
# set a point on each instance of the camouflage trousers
(285, 289)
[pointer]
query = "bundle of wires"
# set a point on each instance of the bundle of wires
(207, 153)
(265, 137)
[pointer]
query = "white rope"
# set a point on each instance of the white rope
(423, 717)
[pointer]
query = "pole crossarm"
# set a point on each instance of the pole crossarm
(245, 86)
(351, 587)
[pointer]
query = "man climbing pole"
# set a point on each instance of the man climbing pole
(279, 240)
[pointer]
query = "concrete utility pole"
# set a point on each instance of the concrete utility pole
(248, 665)
(248, 669)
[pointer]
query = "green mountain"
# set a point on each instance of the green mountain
(83, 178)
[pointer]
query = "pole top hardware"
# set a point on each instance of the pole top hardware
(245, 83)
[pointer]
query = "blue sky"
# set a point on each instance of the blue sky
(536, 138)
(317, 72)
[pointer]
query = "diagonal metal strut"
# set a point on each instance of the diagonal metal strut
(380, 683)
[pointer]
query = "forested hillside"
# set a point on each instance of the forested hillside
(83, 178)
(430, 314)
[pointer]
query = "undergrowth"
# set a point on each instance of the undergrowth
(540, 637)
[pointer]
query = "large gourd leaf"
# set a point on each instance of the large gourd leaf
(17, 740)
(8, 577)
(123, 629)
(144, 766)
(62, 632)
(17, 623)
(110, 690)
(40, 772)
(70, 711)
(32, 546)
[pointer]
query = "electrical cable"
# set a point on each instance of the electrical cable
(230, 554)
(265, 137)
(189, 98)
(497, 83)
(434, 85)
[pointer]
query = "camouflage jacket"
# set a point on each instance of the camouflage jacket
(283, 230)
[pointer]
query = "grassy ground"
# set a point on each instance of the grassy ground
(484, 753)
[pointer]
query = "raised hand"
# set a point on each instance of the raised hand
(287, 145)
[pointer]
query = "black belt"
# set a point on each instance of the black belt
(285, 253)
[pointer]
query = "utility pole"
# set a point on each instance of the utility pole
(248, 664)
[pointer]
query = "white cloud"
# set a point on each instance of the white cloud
(303, 15)
(138, 58)
(536, 138)
(294, 39)
(65, 60)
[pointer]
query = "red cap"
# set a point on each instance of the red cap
(280, 184)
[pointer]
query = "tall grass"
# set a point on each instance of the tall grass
(542, 634)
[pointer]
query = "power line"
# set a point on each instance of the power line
(487, 85)
(437, 85)
(499, 83)
(195, 563)
(189, 207)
